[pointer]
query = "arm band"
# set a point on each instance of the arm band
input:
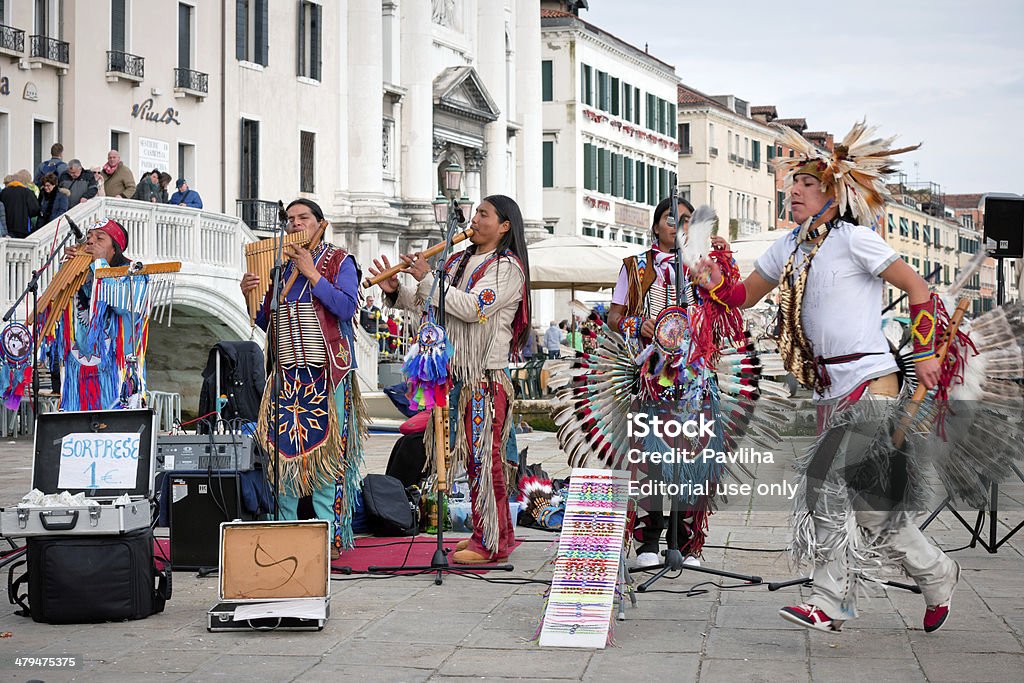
(923, 329)
(733, 296)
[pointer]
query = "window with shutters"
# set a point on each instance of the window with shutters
(652, 111)
(627, 101)
(904, 228)
(615, 97)
(118, 25)
(586, 84)
(307, 161)
(652, 186)
(310, 23)
(549, 163)
(252, 25)
(249, 168)
(185, 33)
(547, 86)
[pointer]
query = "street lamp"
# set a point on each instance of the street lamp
(453, 180)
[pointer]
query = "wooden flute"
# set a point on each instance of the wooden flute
(434, 250)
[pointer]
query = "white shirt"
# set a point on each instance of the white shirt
(843, 301)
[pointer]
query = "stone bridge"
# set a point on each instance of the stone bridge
(207, 304)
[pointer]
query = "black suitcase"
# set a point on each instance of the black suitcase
(88, 579)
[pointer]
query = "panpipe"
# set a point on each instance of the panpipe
(54, 299)
(465, 234)
(139, 269)
(259, 260)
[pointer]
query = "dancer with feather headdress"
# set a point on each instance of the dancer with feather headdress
(863, 483)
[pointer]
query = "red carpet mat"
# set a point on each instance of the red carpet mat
(372, 552)
(387, 552)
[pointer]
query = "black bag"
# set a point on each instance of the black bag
(88, 579)
(389, 511)
(408, 459)
(242, 378)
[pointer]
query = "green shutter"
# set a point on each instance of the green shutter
(627, 178)
(615, 97)
(549, 163)
(546, 86)
(588, 167)
(641, 182)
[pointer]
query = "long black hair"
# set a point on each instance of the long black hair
(513, 240)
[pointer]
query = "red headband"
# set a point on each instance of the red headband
(116, 232)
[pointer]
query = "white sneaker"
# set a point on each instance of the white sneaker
(692, 561)
(645, 560)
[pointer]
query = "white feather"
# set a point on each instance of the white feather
(697, 242)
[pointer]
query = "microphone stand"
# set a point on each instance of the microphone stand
(673, 557)
(439, 561)
(275, 348)
(33, 288)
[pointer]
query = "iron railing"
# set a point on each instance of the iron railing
(126, 63)
(188, 79)
(258, 214)
(45, 47)
(12, 39)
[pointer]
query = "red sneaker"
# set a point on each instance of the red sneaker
(809, 616)
(935, 615)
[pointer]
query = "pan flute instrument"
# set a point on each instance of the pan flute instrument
(70, 278)
(259, 260)
(54, 299)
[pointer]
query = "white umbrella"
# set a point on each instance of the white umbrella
(575, 262)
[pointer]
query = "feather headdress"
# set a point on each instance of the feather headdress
(855, 169)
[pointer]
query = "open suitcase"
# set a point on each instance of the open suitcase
(104, 454)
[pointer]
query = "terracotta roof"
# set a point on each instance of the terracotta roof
(687, 95)
(764, 109)
(799, 125)
(554, 13)
(816, 133)
(963, 201)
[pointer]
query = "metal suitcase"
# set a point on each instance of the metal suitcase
(66, 441)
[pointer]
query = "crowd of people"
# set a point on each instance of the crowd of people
(28, 201)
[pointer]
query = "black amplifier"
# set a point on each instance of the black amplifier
(197, 452)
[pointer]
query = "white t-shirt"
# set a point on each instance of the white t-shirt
(842, 303)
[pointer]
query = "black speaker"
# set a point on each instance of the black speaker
(1004, 223)
(199, 503)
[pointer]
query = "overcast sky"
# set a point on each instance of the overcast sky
(948, 73)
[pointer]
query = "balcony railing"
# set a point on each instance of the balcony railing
(192, 81)
(258, 214)
(685, 151)
(713, 151)
(126, 64)
(50, 49)
(12, 40)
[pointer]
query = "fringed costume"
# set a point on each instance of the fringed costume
(868, 478)
(320, 427)
(101, 338)
(486, 306)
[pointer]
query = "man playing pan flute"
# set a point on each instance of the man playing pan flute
(318, 428)
(102, 333)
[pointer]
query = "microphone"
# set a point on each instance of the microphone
(282, 215)
(75, 229)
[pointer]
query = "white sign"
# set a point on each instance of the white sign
(154, 154)
(99, 461)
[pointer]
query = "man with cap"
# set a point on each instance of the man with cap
(186, 197)
(101, 336)
(317, 430)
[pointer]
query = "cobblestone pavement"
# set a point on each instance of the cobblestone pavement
(408, 629)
